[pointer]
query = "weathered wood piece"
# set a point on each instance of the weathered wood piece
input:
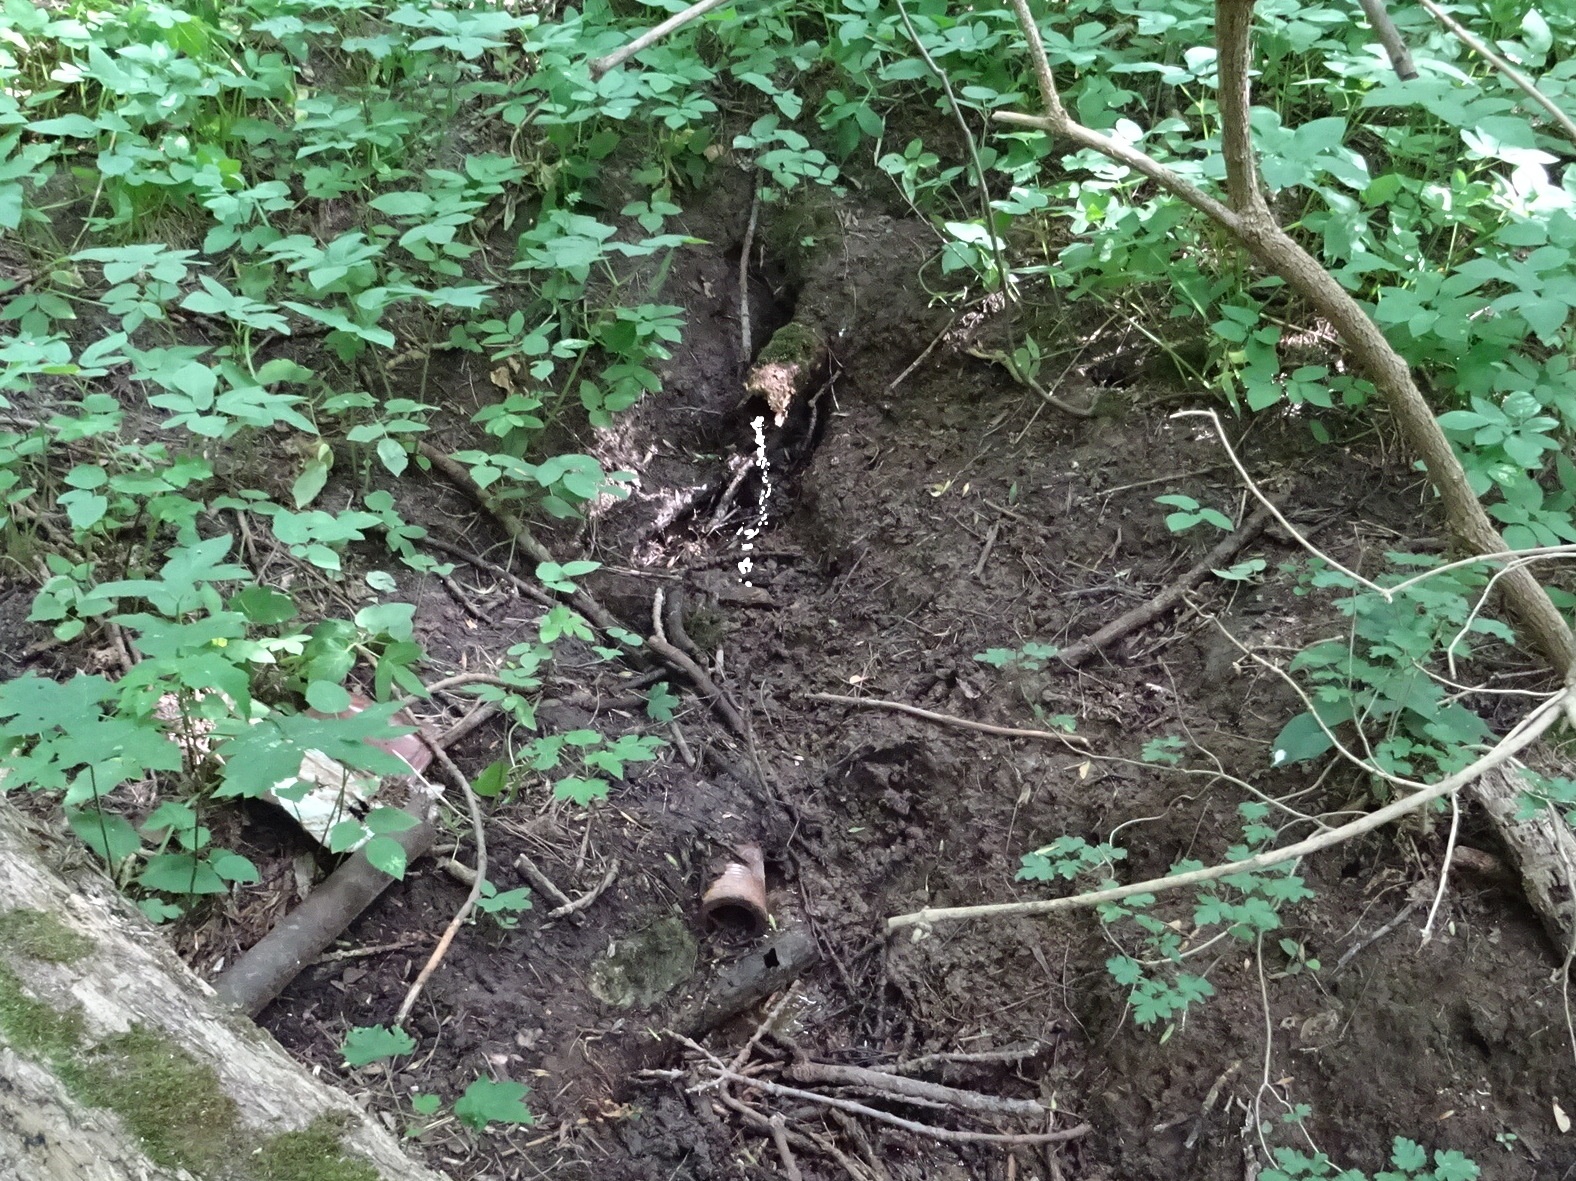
(118, 1064)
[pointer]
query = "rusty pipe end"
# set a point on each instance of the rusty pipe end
(736, 898)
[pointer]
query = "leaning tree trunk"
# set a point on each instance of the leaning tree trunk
(117, 1063)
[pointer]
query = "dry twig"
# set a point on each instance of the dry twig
(651, 36)
(590, 896)
(1527, 732)
(541, 881)
(480, 831)
(1390, 37)
(455, 473)
(746, 345)
(680, 662)
(1130, 621)
(779, 1128)
(1071, 740)
(946, 1135)
(898, 1087)
(1005, 1054)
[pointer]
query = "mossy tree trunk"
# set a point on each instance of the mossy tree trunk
(117, 1063)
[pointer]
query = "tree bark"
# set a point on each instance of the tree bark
(106, 1038)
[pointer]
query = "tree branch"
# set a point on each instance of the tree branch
(651, 36)
(1251, 223)
(1530, 729)
(1390, 37)
(1526, 84)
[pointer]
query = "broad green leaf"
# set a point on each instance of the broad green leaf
(108, 835)
(383, 820)
(327, 697)
(366, 1044)
(387, 854)
(486, 1101)
(71, 126)
(180, 873)
(493, 780)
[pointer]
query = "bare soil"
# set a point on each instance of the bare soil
(925, 522)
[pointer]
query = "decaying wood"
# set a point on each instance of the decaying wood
(897, 1086)
(266, 968)
(790, 366)
(1541, 847)
(120, 976)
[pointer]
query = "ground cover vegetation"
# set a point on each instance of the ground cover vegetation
(240, 235)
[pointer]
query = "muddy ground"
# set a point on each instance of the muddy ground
(928, 520)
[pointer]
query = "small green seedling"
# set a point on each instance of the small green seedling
(1191, 513)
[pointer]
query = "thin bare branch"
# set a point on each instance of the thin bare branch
(1527, 732)
(1390, 37)
(464, 912)
(1077, 742)
(947, 1135)
(651, 36)
(1517, 78)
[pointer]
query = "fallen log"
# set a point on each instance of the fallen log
(1541, 845)
(118, 1064)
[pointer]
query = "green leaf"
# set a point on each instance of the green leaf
(314, 475)
(108, 835)
(391, 619)
(345, 835)
(402, 204)
(328, 698)
(1165, 750)
(233, 867)
(1535, 31)
(661, 702)
(35, 705)
(180, 873)
(1450, 1165)
(486, 1101)
(71, 126)
(1300, 740)
(581, 791)
(493, 780)
(425, 1104)
(507, 902)
(387, 854)
(1408, 1154)
(393, 456)
(1243, 571)
(156, 910)
(383, 820)
(1124, 970)
(366, 1044)
(263, 605)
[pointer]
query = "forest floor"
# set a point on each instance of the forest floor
(937, 512)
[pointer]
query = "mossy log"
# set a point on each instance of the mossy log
(117, 1063)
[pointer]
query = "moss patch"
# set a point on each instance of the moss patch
(170, 1101)
(31, 1026)
(167, 1099)
(41, 936)
(645, 966)
(312, 1154)
(792, 344)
